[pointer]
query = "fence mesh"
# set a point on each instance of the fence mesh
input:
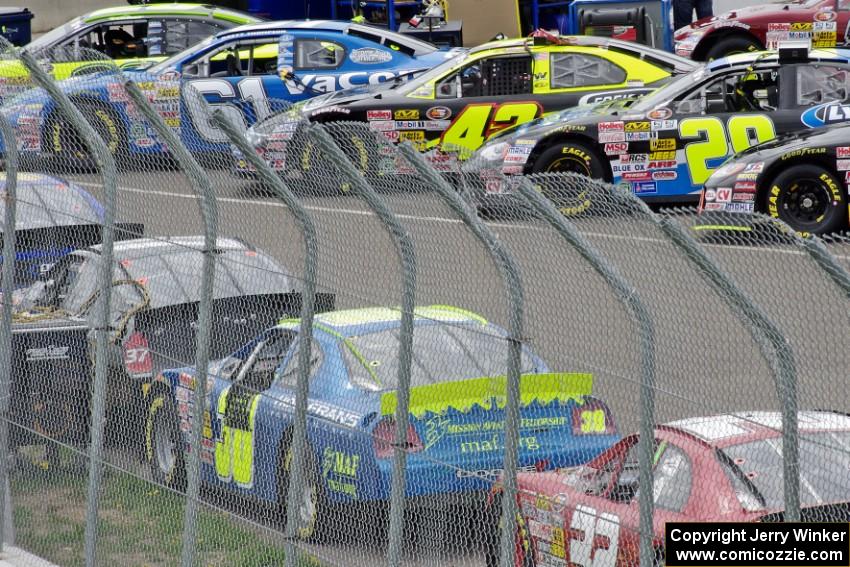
(625, 319)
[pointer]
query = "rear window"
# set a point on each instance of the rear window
(583, 70)
(50, 203)
(441, 353)
(824, 462)
(175, 278)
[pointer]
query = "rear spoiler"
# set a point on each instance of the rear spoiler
(37, 249)
(171, 330)
(465, 394)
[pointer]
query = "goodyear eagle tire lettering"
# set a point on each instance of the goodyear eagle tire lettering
(809, 199)
(163, 443)
(65, 142)
(568, 157)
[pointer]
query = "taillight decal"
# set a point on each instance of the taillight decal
(137, 356)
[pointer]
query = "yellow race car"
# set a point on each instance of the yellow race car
(134, 36)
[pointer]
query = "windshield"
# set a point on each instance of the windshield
(174, 59)
(442, 353)
(824, 462)
(432, 74)
(54, 36)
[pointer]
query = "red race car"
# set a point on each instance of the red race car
(754, 28)
(721, 468)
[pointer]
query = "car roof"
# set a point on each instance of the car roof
(772, 57)
(144, 247)
(348, 322)
(170, 9)
(45, 201)
(736, 428)
(316, 25)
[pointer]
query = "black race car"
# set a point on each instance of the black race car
(477, 93)
(802, 180)
(156, 287)
(666, 145)
(54, 217)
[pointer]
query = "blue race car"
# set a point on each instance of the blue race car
(252, 70)
(54, 218)
(456, 433)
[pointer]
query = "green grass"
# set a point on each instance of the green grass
(140, 524)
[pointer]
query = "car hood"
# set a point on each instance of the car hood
(348, 96)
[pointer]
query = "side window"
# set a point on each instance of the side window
(116, 40)
(499, 76)
(582, 70)
(318, 54)
(821, 83)
(258, 374)
(181, 34)
(504, 76)
(626, 486)
(288, 377)
(672, 479)
(737, 92)
(236, 60)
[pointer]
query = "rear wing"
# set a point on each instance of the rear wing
(39, 248)
(169, 333)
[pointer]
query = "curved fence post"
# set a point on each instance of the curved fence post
(772, 343)
(106, 164)
(311, 259)
(9, 220)
(628, 295)
(209, 215)
(511, 274)
(407, 257)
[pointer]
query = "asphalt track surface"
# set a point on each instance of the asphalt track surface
(706, 361)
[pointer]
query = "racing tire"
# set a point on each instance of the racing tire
(493, 537)
(312, 510)
(163, 443)
(67, 149)
(307, 160)
(808, 198)
(568, 157)
(730, 46)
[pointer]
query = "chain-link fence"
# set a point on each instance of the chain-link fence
(290, 343)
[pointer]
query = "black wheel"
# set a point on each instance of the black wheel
(809, 198)
(312, 504)
(64, 144)
(730, 46)
(570, 197)
(163, 443)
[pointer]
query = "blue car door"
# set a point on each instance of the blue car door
(238, 76)
(236, 406)
(323, 62)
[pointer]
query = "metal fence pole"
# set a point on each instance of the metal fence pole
(407, 257)
(8, 287)
(629, 296)
(827, 262)
(311, 259)
(512, 280)
(209, 215)
(106, 164)
(773, 345)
